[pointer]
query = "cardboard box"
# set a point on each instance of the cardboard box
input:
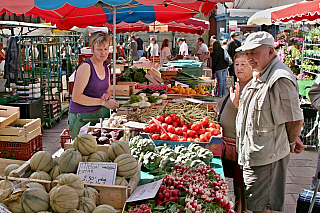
(8, 115)
(154, 76)
(122, 90)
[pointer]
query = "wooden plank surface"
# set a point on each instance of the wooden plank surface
(6, 162)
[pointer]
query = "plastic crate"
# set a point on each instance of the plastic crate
(65, 137)
(19, 150)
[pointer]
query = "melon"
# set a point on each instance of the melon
(127, 165)
(104, 209)
(117, 148)
(55, 172)
(40, 175)
(85, 144)
(76, 211)
(52, 190)
(35, 185)
(98, 156)
(86, 204)
(91, 193)
(6, 187)
(15, 206)
(73, 181)
(121, 181)
(10, 168)
(56, 161)
(69, 160)
(35, 200)
(64, 199)
(41, 161)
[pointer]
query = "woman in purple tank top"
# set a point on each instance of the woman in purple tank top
(91, 87)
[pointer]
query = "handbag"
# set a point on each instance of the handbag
(227, 57)
(229, 150)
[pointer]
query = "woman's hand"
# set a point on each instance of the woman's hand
(111, 104)
(234, 95)
(106, 97)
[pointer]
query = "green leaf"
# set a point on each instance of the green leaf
(182, 201)
(188, 211)
(159, 208)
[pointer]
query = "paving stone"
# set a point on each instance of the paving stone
(289, 199)
(303, 163)
(289, 208)
(302, 171)
(293, 189)
(300, 180)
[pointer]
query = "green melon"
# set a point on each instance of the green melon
(85, 144)
(69, 160)
(35, 185)
(55, 172)
(121, 181)
(64, 199)
(86, 204)
(98, 156)
(10, 168)
(104, 209)
(35, 200)
(40, 175)
(91, 193)
(15, 206)
(41, 161)
(117, 148)
(127, 165)
(73, 181)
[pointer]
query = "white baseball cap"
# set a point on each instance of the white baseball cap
(257, 39)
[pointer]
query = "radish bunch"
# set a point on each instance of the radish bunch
(143, 208)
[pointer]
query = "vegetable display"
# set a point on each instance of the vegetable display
(134, 74)
(200, 90)
(188, 79)
(144, 100)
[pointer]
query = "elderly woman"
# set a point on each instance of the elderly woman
(91, 87)
(228, 113)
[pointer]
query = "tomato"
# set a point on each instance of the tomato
(189, 125)
(212, 125)
(208, 135)
(178, 119)
(195, 127)
(184, 129)
(203, 138)
(178, 131)
(153, 128)
(174, 137)
(196, 136)
(218, 126)
(183, 139)
(190, 140)
(205, 121)
(175, 124)
(158, 129)
(216, 132)
(190, 133)
(201, 131)
(182, 123)
(184, 134)
(164, 137)
(168, 120)
(160, 118)
(171, 129)
(151, 122)
(155, 136)
(165, 126)
(146, 129)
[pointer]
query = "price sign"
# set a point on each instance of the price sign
(97, 172)
(146, 191)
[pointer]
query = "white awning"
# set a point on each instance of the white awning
(241, 12)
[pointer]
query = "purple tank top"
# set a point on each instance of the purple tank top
(95, 89)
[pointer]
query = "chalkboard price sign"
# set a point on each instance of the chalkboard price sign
(97, 172)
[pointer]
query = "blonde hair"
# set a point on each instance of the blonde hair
(98, 38)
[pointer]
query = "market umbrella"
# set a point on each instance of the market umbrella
(305, 10)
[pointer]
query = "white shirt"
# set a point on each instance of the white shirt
(203, 49)
(183, 48)
(164, 53)
(154, 51)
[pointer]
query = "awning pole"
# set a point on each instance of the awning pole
(114, 52)
(154, 37)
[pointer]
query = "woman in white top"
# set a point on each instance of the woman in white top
(154, 47)
(165, 54)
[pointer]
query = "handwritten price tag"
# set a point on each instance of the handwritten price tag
(145, 191)
(97, 172)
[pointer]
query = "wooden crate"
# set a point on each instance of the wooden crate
(122, 90)
(154, 76)
(45, 183)
(8, 115)
(6, 162)
(31, 129)
(128, 83)
(103, 148)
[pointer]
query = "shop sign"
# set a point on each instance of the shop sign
(97, 172)
(233, 23)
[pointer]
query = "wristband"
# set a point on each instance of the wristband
(292, 143)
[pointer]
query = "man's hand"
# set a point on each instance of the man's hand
(106, 97)
(298, 147)
(235, 95)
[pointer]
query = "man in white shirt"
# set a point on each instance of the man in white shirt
(183, 50)
(202, 50)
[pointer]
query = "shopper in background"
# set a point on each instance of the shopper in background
(154, 50)
(91, 87)
(268, 124)
(165, 54)
(227, 117)
(140, 46)
(224, 44)
(245, 36)
(219, 66)
(232, 45)
(202, 50)
(183, 50)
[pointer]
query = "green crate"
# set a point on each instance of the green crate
(4, 99)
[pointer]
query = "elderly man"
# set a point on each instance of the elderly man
(268, 124)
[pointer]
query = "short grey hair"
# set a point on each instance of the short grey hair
(98, 38)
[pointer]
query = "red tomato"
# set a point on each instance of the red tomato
(189, 125)
(171, 129)
(164, 137)
(184, 134)
(160, 118)
(153, 128)
(196, 136)
(184, 129)
(202, 138)
(146, 129)
(173, 116)
(158, 129)
(178, 119)
(174, 137)
(175, 124)
(212, 125)
(182, 123)
(151, 122)
(205, 121)
(178, 131)
(165, 126)
(208, 135)
(216, 132)
(218, 126)
(201, 131)
(190, 140)
(182, 139)
(155, 136)
(195, 127)
(190, 133)
(168, 120)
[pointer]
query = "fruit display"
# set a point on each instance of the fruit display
(144, 100)
(200, 90)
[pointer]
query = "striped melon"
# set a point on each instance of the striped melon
(55, 172)
(64, 199)
(15, 206)
(91, 193)
(85, 158)
(85, 144)
(10, 168)
(6, 187)
(117, 148)
(56, 161)
(121, 181)
(41, 161)
(52, 190)
(127, 165)
(104, 209)
(98, 156)
(86, 204)
(35, 185)
(69, 160)
(35, 200)
(40, 175)
(73, 181)
(76, 211)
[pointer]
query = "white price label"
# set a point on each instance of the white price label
(97, 172)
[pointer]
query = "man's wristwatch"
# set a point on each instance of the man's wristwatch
(292, 143)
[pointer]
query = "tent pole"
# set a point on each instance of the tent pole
(154, 37)
(114, 52)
